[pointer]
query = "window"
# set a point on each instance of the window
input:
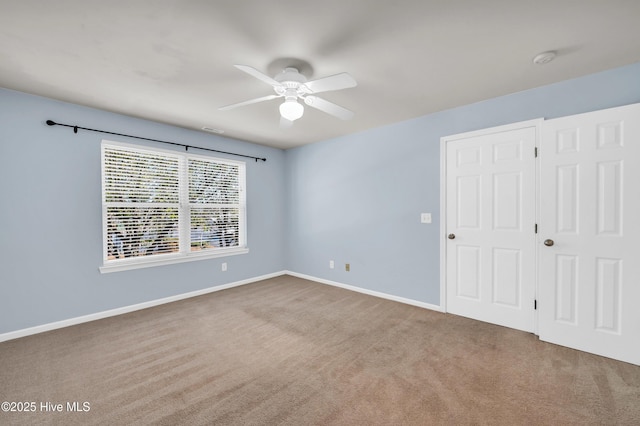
(162, 207)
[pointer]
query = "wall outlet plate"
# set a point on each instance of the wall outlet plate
(347, 267)
(425, 217)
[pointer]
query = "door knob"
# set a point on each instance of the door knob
(451, 236)
(548, 243)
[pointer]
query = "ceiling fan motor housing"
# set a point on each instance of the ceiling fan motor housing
(290, 75)
(292, 83)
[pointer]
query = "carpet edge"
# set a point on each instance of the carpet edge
(404, 300)
(11, 335)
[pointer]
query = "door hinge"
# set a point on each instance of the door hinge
(535, 304)
(535, 152)
(536, 228)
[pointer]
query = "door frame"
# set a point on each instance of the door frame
(535, 123)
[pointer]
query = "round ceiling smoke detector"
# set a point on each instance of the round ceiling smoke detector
(544, 58)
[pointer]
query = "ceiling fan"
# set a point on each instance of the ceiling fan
(291, 85)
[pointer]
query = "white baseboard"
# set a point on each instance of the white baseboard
(131, 308)
(126, 309)
(369, 292)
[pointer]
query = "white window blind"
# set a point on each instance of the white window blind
(168, 205)
(215, 194)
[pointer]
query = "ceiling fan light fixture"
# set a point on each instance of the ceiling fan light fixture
(291, 109)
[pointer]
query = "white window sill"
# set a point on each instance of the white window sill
(159, 260)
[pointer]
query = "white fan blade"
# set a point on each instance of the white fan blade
(257, 74)
(333, 82)
(284, 123)
(328, 107)
(249, 102)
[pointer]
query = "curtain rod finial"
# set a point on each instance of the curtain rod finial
(51, 123)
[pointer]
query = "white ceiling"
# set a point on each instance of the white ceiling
(172, 61)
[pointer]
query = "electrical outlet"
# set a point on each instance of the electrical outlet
(425, 217)
(224, 266)
(347, 267)
(331, 264)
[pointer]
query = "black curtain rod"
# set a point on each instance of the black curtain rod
(75, 130)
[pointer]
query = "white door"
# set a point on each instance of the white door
(589, 282)
(490, 219)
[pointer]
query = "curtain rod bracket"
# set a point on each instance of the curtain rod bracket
(186, 147)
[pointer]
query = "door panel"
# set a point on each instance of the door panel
(567, 199)
(468, 196)
(565, 288)
(490, 204)
(507, 198)
(589, 279)
(507, 280)
(468, 272)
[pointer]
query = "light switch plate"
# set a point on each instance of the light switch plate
(425, 218)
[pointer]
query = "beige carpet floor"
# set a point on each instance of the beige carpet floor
(289, 351)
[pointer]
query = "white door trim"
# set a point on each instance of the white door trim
(537, 124)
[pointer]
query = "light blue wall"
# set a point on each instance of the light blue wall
(50, 215)
(357, 199)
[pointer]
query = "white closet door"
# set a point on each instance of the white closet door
(589, 286)
(490, 217)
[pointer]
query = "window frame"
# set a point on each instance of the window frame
(184, 254)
